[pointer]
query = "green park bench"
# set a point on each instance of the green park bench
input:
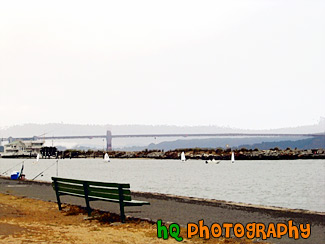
(96, 191)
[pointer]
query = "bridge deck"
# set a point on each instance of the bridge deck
(170, 135)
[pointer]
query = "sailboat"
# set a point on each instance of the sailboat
(183, 159)
(213, 161)
(37, 159)
(106, 158)
(232, 157)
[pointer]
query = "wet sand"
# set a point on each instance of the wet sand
(182, 210)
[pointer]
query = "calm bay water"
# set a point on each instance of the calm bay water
(296, 184)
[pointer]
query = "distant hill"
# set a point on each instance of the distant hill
(249, 142)
(310, 143)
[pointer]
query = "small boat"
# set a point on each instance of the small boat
(213, 161)
(232, 157)
(183, 159)
(106, 158)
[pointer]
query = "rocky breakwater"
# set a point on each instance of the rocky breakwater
(206, 154)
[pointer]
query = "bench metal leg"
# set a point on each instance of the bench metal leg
(120, 191)
(57, 194)
(86, 198)
(59, 202)
(122, 212)
(88, 206)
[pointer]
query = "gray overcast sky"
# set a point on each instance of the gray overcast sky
(245, 64)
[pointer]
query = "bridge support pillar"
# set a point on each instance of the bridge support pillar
(108, 140)
(10, 139)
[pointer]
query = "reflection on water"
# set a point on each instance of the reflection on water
(297, 184)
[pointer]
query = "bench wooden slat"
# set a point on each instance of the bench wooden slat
(70, 186)
(95, 190)
(104, 199)
(108, 195)
(71, 193)
(135, 203)
(92, 183)
(126, 203)
(95, 183)
(64, 180)
(75, 191)
(108, 190)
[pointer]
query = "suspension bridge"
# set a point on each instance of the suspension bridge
(109, 136)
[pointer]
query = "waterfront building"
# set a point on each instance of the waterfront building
(22, 148)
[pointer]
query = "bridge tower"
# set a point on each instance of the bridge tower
(10, 139)
(108, 140)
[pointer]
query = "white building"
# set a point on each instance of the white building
(22, 148)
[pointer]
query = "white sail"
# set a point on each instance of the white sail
(106, 158)
(37, 159)
(183, 157)
(232, 157)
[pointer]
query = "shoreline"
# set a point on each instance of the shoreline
(322, 157)
(207, 202)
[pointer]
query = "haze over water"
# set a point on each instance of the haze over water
(295, 184)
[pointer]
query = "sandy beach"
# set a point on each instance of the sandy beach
(24, 220)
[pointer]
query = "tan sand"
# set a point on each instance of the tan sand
(24, 220)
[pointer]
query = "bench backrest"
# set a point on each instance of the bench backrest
(93, 189)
